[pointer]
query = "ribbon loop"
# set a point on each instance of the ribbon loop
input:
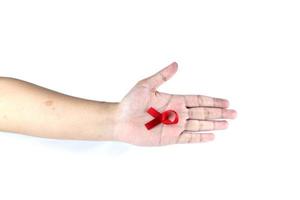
(161, 118)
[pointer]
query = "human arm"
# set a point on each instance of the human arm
(33, 110)
(29, 109)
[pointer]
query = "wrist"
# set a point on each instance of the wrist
(106, 120)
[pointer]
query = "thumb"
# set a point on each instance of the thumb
(160, 77)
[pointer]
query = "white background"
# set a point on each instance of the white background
(245, 51)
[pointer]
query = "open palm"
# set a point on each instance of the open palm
(196, 113)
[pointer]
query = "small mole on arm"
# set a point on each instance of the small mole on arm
(48, 103)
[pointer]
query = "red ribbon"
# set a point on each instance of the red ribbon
(161, 118)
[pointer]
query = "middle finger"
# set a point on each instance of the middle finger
(203, 113)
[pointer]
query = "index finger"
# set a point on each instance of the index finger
(204, 101)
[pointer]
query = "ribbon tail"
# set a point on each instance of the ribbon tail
(153, 112)
(152, 123)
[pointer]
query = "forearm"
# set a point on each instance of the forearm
(29, 109)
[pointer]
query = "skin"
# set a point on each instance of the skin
(33, 110)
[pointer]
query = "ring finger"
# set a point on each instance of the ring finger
(198, 125)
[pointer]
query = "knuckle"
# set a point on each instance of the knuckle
(142, 82)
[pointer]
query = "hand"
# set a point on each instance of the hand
(196, 114)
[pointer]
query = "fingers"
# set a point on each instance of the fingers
(205, 101)
(160, 77)
(189, 137)
(203, 113)
(198, 125)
